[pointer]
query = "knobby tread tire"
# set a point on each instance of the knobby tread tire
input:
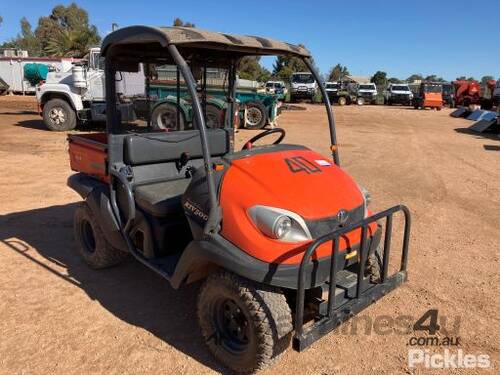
(271, 320)
(104, 255)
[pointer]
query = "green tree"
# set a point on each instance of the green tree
(379, 79)
(434, 78)
(179, 22)
(284, 66)
(1, 20)
(337, 73)
(66, 31)
(250, 68)
(485, 79)
(461, 78)
(69, 43)
(394, 80)
(25, 40)
(415, 77)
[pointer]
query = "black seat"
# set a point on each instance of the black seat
(162, 198)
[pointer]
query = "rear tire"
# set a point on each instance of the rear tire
(245, 325)
(91, 243)
(342, 101)
(213, 119)
(164, 117)
(58, 115)
(255, 115)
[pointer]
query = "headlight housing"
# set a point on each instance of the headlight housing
(279, 224)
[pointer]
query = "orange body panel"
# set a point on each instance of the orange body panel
(433, 100)
(88, 154)
(267, 179)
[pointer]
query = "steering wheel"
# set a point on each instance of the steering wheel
(248, 145)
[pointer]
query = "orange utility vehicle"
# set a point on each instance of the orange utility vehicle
(282, 235)
(430, 95)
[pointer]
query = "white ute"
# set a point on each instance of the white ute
(367, 91)
(303, 86)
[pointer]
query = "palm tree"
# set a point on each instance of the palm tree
(71, 43)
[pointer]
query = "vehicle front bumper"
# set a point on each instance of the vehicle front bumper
(340, 305)
(401, 99)
(303, 93)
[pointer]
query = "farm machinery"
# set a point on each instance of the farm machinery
(282, 236)
(429, 95)
(467, 93)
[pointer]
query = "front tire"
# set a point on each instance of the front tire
(91, 243)
(245, 325)
(342, 101)
(58, 115)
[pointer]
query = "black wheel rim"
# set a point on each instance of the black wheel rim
(88, 238)
(231, 325)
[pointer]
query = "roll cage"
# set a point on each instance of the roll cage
(125, 48)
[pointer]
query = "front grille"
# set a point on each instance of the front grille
(321, 227)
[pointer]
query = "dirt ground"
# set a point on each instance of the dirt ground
(58, 316)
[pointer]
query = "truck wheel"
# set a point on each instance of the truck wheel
(360, 101)
(342, 101)
(255, 115)
(213, 118)
(245, 325)
(164, 116)
(91, 243)
(58, 115)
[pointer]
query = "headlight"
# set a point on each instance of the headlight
(280, 224)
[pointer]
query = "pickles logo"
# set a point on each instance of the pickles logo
(195, 211)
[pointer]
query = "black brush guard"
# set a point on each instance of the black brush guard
(366, 292)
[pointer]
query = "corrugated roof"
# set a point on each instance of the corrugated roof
(188, 36)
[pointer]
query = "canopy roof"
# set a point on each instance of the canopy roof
(197, 38)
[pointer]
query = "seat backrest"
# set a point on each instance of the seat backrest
(153, 148)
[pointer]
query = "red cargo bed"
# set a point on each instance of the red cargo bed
(88, 153)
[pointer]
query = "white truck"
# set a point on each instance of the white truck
(302, 86)
(367, 91)
(78, 95)
(398, 93)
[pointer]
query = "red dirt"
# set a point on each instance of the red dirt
(58, 316)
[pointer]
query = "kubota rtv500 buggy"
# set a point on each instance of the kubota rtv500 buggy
(282, 235)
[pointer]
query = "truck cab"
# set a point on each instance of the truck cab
(367, 91)
(398, 93)
(303, 86)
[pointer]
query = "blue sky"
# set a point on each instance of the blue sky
(447, 38)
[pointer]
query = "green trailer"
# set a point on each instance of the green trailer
(256, 109)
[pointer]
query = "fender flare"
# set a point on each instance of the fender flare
(62, 92)
(96, 195)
